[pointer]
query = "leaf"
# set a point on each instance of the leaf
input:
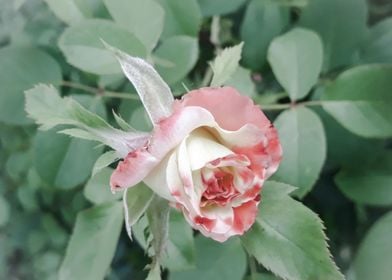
(219, 7)
(368, 184)
(341, 35)
(21, 68)
(373, 259)
(182, 17)
(93, 242)
(296, 58)
(359, 99)
(376, 48)
(180, 249)
(81, 45)
(182, 52)
(5, 211)
(136, 201)
(48, 109)
(97, 189)
(263, 21)
(225, 64)
(104, 160)
(304, 148)
(261, 276)
(215, 261)
(144, 19)
(154, 93)
(293, 3)
(122, 123)
(288, 238)
(242, 81)
(66, 10)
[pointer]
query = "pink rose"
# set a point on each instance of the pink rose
(209, 158)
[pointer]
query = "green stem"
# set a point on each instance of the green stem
(89, 89)
(273, 107)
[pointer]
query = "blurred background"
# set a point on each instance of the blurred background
(45, 176)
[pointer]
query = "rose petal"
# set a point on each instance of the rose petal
(244, 216)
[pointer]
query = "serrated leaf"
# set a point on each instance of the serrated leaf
(368, 183)
(215, 261)
(81, 45)
(304, 148)
(93, 243)
(48, 109)
(225, 64)
(22, 68)
(360, 100)
(242, 81)
(122, 123)
(296, 59)
(263, 21)
(136, 200)
(373, 259)
(104, 160)
(97, 189)
(145, 19)
(288, 238)
(153, 91)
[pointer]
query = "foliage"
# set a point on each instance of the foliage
(317, 68)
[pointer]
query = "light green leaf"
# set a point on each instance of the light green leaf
(360, 100)
(21, 68)
(376, 48)
(66, 10)
(293, 3)
(154, 273)
(263, 21)
(144, 19)
(225, 64)
(304, 148)
(93, 243)
(122, 123)
(182, 52)
(44, 104)
(81, 44)
(341, 34)
(104, 160)
(288, 238)
(242, 81)
(296, 58)
(5, 211)
(136, 201)
(368, 184)
(97, 189)
(182, 17)
(219, 7)
(215, 261)
(180, 249)
(261, 276)
(373, 259)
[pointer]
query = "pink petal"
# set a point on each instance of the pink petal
(244, 216)
(230, 109)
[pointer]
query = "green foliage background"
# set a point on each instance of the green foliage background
(321, 69)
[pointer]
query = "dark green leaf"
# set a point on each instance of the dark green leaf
(97, 189)
(219, 7)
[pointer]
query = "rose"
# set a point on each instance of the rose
(209, 158)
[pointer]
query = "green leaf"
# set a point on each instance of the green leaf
(180, 249)
(97, 189)
(104, 160)
(341, 34)
(5, 211)
(368, 184)
(21, 68)
(376, 48)
(49, 110)
(66, 10)
(261, 276)
(144, 19)
(304, 148)
(293, 3)
(263, 21)
(136, 201)
(225, 64)
(296, 58)
(359, 99)
(242, 81)
(288, 238)
(373, 259)
(81, 44)
(182, 53)
(219, 7)
(182, 17)
(215, 261)
(93, 243)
